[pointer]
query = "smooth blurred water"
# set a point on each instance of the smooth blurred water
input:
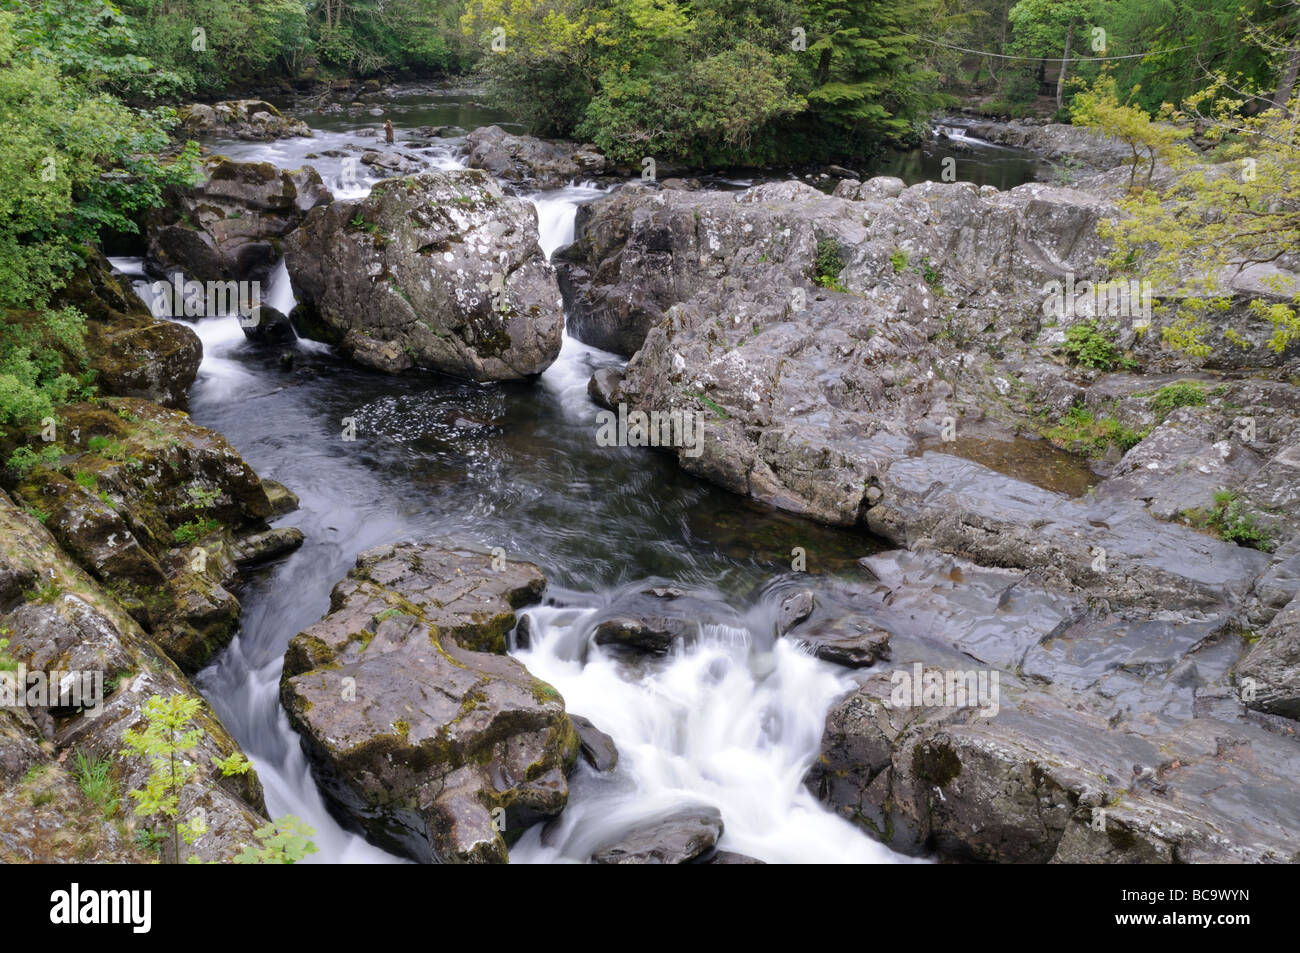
(734, 722)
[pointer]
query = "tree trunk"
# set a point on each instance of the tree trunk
(1065, 62)
(1286, 87)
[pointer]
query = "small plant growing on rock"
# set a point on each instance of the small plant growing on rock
(23, 460)
(168, 737)
(285, 841)
(96, 783)
(828, 265)
(165, 740)
(187, 533)
(1235, 524)
(1089, 346)
(898, 258)
(45, 592)
(1092, 434)
(108, 447)
(1178, 394)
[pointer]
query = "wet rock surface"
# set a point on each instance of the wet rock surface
(529, 161)
(75, 625)
(1268, 678)
(654, 619)
(1014, 723)
(162, 512)
(597, 748)
(232, 225)
(437, 743)
(675, 839)
(439, 270)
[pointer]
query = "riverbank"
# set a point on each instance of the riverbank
(733, 654)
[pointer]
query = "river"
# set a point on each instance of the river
(734, 722)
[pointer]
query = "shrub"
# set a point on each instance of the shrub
(828, 265)
(1089, 346)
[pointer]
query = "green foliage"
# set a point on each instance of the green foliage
(285, 841)
(1175, 395)
(1090, 346)
(45, 593)
(194, 530)
(1233, 522)
(898, 258)
(713, 81)
(167, 738)
(24, 459)
(35, 349)
(201, 498)
(1093, 435)
(74, 160)
(234, 765)
(828, 264)
(1214, 220)
(109, 448)
(1149, 140)
(94, 777)
(146, 838)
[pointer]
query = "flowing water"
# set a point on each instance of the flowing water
(734, 722)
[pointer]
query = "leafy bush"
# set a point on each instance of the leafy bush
(1236, 525)
(828, 264)
(23, 460)
(1089, 346)
(1093, 435)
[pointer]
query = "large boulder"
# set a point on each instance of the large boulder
(439, 271)
(162, 513)
(1269, 675)
(133, 353)
(1020, 723)
(418, 724)
(231, 226)
(1056, 141)
(529, 161)
(642, 250)
(242, 119)
(1048, 780)
(59, 620)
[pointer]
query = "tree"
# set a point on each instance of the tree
(1214, 221)
(1149, 140)
(867, 72)
(74, 160)
(168, 740)
(1050, 27)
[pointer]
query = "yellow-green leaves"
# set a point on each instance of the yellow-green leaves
(1219, 226)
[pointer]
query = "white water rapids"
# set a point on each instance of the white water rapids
(733, 722)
